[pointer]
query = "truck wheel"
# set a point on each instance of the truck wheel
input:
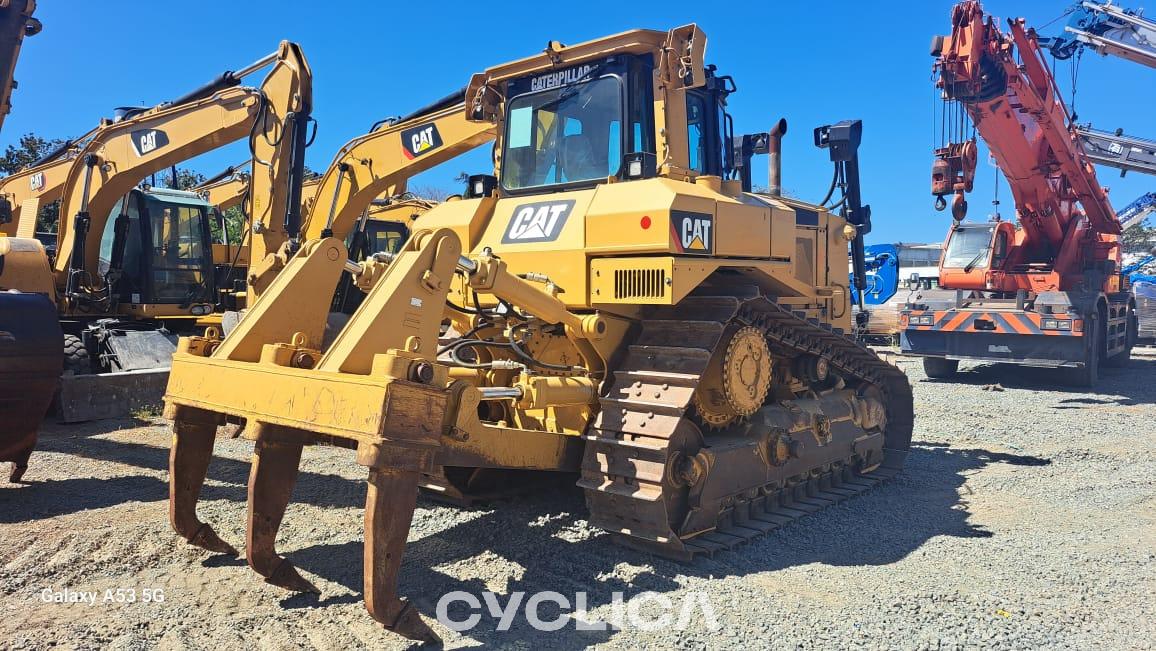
(939, 368)
(1124, 357)
(1089, 373)
(76, 356)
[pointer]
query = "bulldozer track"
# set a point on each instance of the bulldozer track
(646, 415)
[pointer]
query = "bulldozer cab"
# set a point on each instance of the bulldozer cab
(576, 127)
(157, 250)
(566, 129)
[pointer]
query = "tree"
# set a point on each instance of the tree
(29, 149)
(186, 179)
(1140, 238)
(234, 219)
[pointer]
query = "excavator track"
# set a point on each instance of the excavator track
(643, 472)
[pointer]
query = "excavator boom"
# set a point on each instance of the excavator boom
(380, 162)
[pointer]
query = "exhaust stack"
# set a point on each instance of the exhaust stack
(775, 163)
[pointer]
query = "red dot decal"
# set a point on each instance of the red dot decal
(644, 222)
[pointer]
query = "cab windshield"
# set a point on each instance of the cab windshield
(178, 251)
(564, 135)
(969, 247)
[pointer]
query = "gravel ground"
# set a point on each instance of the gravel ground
(1024, 520)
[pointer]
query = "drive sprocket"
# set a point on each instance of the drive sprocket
(737, 380)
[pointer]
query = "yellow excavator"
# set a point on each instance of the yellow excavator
(133, 263)
(614, 303)
(361, 196)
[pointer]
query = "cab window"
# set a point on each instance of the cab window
(999, 250)
(696, 134)
(178, 251)
(564, 135)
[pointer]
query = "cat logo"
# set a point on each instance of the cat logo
(420, 140)
(692, 232)
(36, 182)
(537, 222)
(147, 141)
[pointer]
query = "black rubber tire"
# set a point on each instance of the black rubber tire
(1088, 374)
(76, 357)
(939, 368)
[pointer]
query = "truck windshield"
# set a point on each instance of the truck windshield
(969, 247)
(563, 135)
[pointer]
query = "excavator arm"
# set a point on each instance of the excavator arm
(381, 161)
(16, 22)
(227, 189)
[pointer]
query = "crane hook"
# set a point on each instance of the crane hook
(958, 207)
(940, 203)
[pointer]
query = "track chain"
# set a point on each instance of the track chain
(646, 409)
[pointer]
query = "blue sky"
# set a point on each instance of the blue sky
(813, 63)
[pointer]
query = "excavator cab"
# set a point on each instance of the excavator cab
(158, 250)
(377, 236)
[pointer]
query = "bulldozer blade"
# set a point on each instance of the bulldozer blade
(271, 479)
(188, 465)
(110, 395)
(31, 358)
(389, 504)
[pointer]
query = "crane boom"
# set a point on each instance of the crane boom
(1124, 152)
(1047, 290)
(1016, 108)
(1108, 29)
(1138, 210)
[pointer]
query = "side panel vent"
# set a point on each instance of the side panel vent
(639, 283)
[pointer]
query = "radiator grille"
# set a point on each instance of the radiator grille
(639, 283)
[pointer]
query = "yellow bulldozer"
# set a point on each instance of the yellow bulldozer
(615, 303)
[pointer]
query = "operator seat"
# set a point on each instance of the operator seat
(577, 158)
